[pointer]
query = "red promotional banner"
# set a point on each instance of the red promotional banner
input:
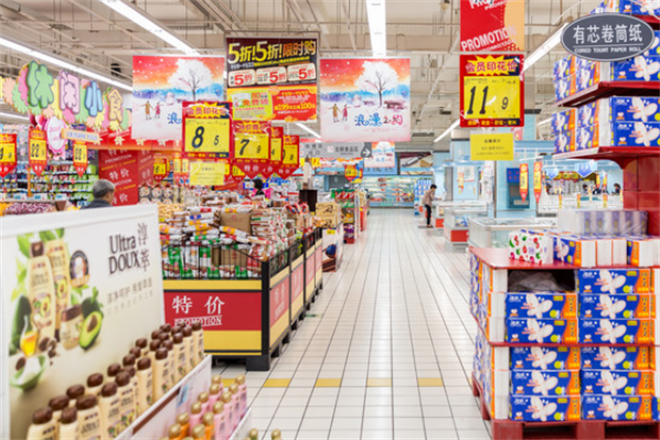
(290, 156)
(128, 170)
(251, 146)
(538, 180)
(524, 181)
(279, 300)
(80, 159)
(160, 169)
(37, 150)
(350, 172)
(7, 153)
(492, 25)
(276, 140)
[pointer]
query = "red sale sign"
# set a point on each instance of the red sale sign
(7, 153)
(252, 146)
(290, 156)
(37, 150)
(492, 25)
(538, 180)
(524, 181)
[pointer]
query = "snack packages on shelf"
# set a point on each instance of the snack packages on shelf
(531, 246)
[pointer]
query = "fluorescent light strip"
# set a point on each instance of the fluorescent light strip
(63, 64)
(543, 49)
(143, 21)
(308, 130)
(377, 27)
(14, 116)
(543, 122)
(448, 131)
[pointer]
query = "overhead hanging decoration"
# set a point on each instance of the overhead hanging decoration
(207, 130)
(160, 86)
(272, 79)
(290, 156)
(37, 150)
(7, 153)
(276, 140)
(252, 146)
(524, 181)
(365, 99)
(492, 26)
(538, 180)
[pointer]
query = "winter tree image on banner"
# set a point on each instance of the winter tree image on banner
(365, 99)
(162, 83)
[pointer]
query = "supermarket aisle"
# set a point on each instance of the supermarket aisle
(389, 350)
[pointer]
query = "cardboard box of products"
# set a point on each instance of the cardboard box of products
(237, 220)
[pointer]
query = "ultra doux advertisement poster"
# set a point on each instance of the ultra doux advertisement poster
(75, 288)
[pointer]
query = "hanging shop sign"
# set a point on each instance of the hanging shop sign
(207, 173)
(492, 25)
(524, 181)
(350, 172)
(335, 150)
(492, 92)
(491, 146)
(416, 164)
(290, 156)
(365, 99)
(162, 83)
(71, 134)
(607, 37)
(272, 78)
(252, 146)
(37, 150)
(66, 97)
(538, 180)
(207, 129)
(8, 144)
(80, 159)
(276, 139)
(160, 169)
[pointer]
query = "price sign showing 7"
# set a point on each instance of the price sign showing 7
(252, 145)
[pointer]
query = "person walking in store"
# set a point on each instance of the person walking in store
(428, 198)
(104, 194)
(617, 189)
(258, 188)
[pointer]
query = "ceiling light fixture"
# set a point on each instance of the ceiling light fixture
(543, 122)
(377, 27)
(139, 18)
(34, 53)
(14, 116)
(308, 130)
(448, 131)
(544, 48)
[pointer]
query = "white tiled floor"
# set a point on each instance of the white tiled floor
(394, 313)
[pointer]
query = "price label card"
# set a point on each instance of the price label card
(271, 75)
(37, 149)
(492, 91)
(251, 145)
(7, 152)
(241, 78)
(207, 173)
(237, 172)
(80, 152)
(301, 72)
(160, 168)
(290, 150)
(207, 136)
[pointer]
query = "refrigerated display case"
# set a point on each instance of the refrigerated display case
(440, 206)
(391, 192)
(494, 232)
(456, 229)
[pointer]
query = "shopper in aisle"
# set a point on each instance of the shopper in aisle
(258, 188)
(617, 189)
(428, 198)
(104, 193)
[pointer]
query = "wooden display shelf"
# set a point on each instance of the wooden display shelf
(610, 88)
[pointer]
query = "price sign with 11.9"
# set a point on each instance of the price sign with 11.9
(492, 91)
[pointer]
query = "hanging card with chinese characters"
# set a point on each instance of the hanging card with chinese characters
(80, 159)
(276, 140)
(365, 99)
(290, 156)
(37, 150)
(252, 146)
(7, 153)
(207, 130)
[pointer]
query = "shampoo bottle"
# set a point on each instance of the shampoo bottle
(144, 385)
(126, 400)
(195, 414)
(190, 348)
(69, 424)
(220, 421)
(89, 418)
(43, 426)
(242, 394)
(198, 343)
(58, 404)
(110, 410)
(94, 384)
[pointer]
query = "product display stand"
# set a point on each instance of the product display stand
(491, 381)
(333, 236)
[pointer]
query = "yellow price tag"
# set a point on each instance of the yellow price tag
(185, 166)
(207, 173)
(237, 172)
(160, 168)
(276, 149)
(7, 153)
(491, 97)
(176, 166)
(290, 152)
(79, 152)
(251, 146)
(207, 136)
(37, 150)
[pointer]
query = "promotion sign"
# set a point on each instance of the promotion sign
(276, 140)
(207, 173)
(365, 99)
(207, 129)
(607, 37)
(335, 150)
(252, 146)
(80, 159)
(160, 169)
(128, 170)
(272, 78)
(7, 153)
(538, 180)
(492, 92)
(71, 282)
(492, 25)
(37, 150)
(350, 172)
(524, 181)
(491, 146)
(290, 156)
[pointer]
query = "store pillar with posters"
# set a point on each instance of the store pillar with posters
(213, 220)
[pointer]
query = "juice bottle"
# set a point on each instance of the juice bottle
(110, 411)
(43, 426)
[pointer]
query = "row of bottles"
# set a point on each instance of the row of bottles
(109, 404)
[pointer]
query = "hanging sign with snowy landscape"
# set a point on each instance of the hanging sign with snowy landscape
(162, 83)
(365, 99)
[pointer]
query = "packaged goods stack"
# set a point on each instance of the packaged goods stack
(327, 214)
(350, 212)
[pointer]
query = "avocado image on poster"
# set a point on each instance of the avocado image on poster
(90, 329)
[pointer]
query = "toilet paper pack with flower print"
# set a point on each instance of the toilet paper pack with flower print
(545, 358)
(617, 382)
(617, 331)
(545, 408)
(623, 408)
(531, 331)
(615, 358)
(545, 383)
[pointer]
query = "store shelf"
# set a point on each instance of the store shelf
(611, 88)
(610, 153)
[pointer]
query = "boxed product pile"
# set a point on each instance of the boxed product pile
(634, 7)
(564, 130)
(531, 246)
(328, 214)
(563, 76)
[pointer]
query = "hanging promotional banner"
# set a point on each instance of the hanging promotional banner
(37, 150)
(584, 169)
(492, 92)
(160, 169)
(350, 172)
(335, 150)
(252, 146)
(524, 181)
(272, 78)
(365, 99)
(538, 180)
(7, 153)
(128, 170)
(382, 155)
(207, 173)
(80, 159)
(276, 139)
(492, 25)
(162, 83)
(491, 146)
(290, 156)
(207, 130)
